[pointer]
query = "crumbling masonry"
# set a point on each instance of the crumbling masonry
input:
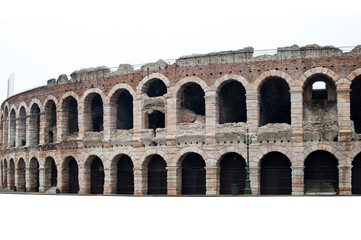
(178, 128)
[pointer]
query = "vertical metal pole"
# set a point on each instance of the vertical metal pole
(248, 141)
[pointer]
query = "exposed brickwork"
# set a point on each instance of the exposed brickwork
(184, 132)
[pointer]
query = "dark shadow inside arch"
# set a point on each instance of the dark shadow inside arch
(275, 101)
(192, 102)
(50, 121)
(156, 88)
(97, 113)
(276, 176)
(232, 103)
(12, 128)
(321, 173)
(70, 109)
(34, 172)
(193, 175)
(233, 171)
(157, 175)
(125, 176)
(97, 176)
(35, 125)
(73, 176)
(22, 127)
(355, 98)
(21, 175)
(356, 175)
(156, 120)
(125, 111)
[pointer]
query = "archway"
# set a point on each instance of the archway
(232, 103)
(51, 173)
(22, 127)
(97, 176)
(355, 98)
(5, 174)
(156, 88)
(192, 102)
(356, 175)
(276, 174)
(124, 110)
(70, 115)
(21, 175)
(193, 175)
(34, 183)
(233, 171)
(125, 175)
(50, 122)
(12, 128)
(275, 101)
(157, 175)
(321, 173)
(11, 175)
(34, 125)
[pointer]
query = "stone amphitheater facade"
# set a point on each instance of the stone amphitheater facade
(179, 127)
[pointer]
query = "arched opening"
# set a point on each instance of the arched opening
(125, 175)
(192, 103)
(34, 125)
(275, 101)
(51, 173)
(125, 110)
(193, 175)
(34, 183)
(355, 98)
(233, 171)
(22, 127)
(156, 88)
(232, 103)
(356, 175)
(73, 176)
(21, 175)
(50, 121)
(276, 176)
(97, 176)
(321, 173)
(157, 175)
(12, 128)
(5, 174)
(11, 176)
(6, 128)
(319, 88)
(70, 115)
(97, 113)
(156, 120)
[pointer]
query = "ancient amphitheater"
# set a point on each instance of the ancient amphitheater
(179, 127)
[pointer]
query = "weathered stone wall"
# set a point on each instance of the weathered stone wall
(309, 131)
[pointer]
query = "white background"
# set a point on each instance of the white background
(40, 40)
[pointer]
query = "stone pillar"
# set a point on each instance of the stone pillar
(84, 180)
(140, 181)
(171, 121)
(5, 134)
(42, 128)
(63, 179)
(252, 111)
(110, 181)
(174, 180)
(81, 120)
(213, 180)
(344, 182)
(61, 126)
(137, 120)
(28, 130)
(42, 179)
(108, 122)
(211, 116)
(11, 177)
(343, 113)
(255, 178)
(298, 186)
(296, 115)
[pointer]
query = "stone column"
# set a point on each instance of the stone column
(211, 116)
(84, 180)
(42, 128)
(137, 120)
(60, 126)
(81, 120)
(11, 177)
(296, 116)
(252, 111)
(5, 134)
(42, 179)
(63, 179)
(108, 120)
(110, 181)
(298, 186)
(174, 180)
(140, 181)
(213, 180)
(254, 173)
(343, 113)
(171, 121)
(28, 130)
(344, 182)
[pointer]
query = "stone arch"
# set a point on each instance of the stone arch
(219, 83)
(11, 174)
(122, 174)
(93, 91)
(93, 118)
(70, 175)
(264, 151)
(50, 109)
(13, 107)
(49, 98)
(145, 158)
(22, 104)
(121, 101)
(20, 174)
(69, 94)
(293, 85)
(181, 85)
(69, 106)
(33, 177)
(12, 126)
(193, 174)
(156, 174)
(121, 86)
(324, 147)
(95, 174)
(35, 111)
(224, 151)
(50, 173)
(6, 109)
(319, 70)
(186, 151)
(143, 83)
(354, 74)
(35, 101)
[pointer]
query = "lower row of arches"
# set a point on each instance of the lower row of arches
(321, 175)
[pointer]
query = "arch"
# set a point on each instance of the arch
(35, 101)
(11, 174)
(354, 74)
(33, 178)
(355, 103)
(179, 87)
(155, 88)
(121, 104)
(157, 175)
(155, 120)
(327, 148)
(232, 171)
(356, 175)
(50, 124)
(22, 126)
(143, 84)
(70, 114)
(319, 70)
(50, 173)
(93, 91)
(275, 101)
(20, 173)
(276, 175)
(232, 102)
(121, 86)
(50, 98)
(220, 82)
(34, 124)
(146, 157)
(193, 175)
(12, 128)
(93, 111)
(5, 174)
(124, 173)
(70, 175)
(96, 174)
(184, 152)
(22, 105)
(321, 173)
(293, 85)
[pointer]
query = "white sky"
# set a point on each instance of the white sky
(40, 40)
